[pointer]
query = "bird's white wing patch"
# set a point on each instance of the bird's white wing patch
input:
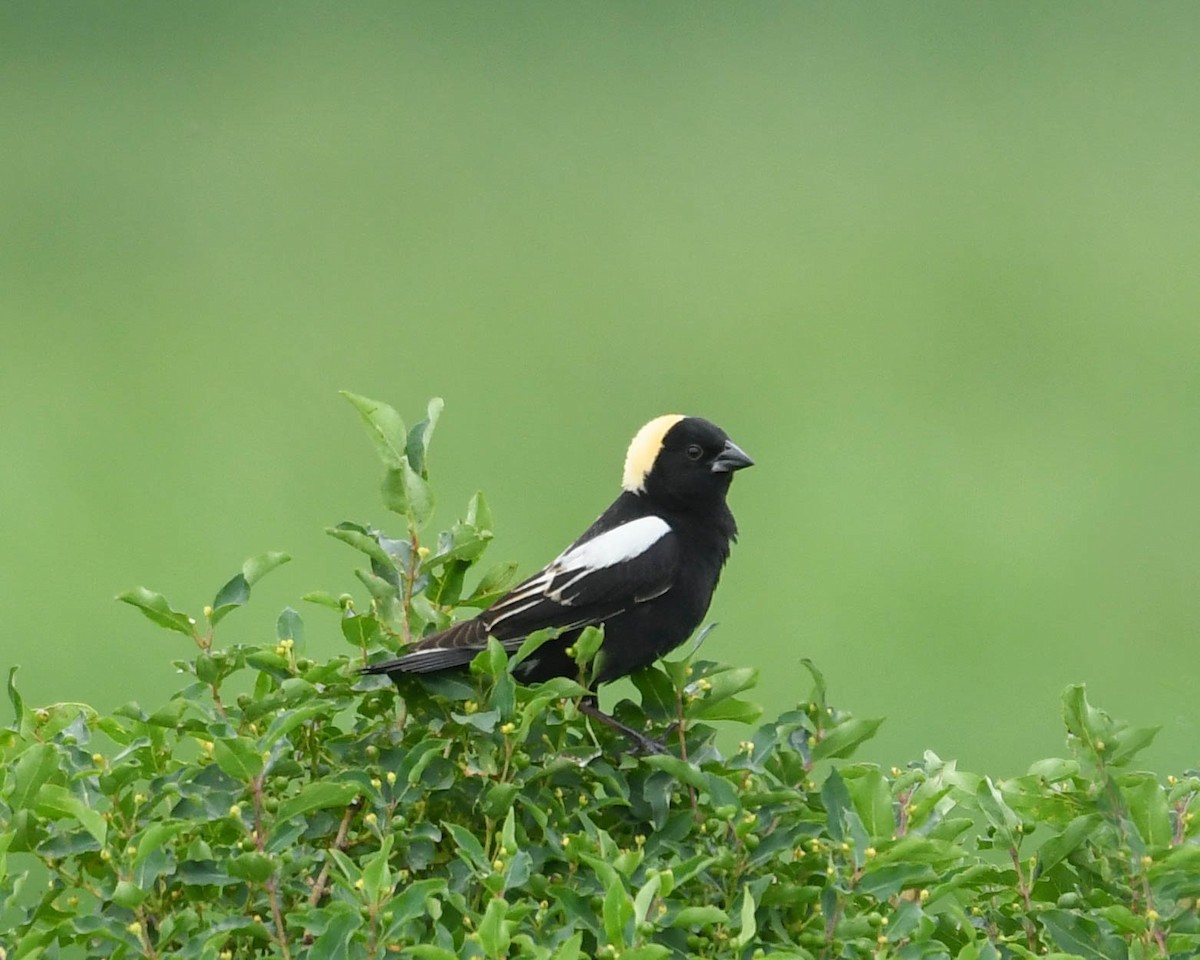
(614, 546)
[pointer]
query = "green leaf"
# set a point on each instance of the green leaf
(238, 757)
(317, 796)
(333, 942)
(843, 739)
(363, 541)
(1056, 848)
(492, 936)
(287, 721)
(254, 866)
(376, 876)
(647, 951)
(429, 951)
(658, 693)
(155, 607)
(407, 493)
(734, 709)
(258, 567)
(385, 427)
(417, 444)
(484, 721)
(645, 897)
(998, 813)
(702, 917)
(492, 585)
(836, 799)
(156, 835)
(410, 903)
(128, 895)
(681, 770)
(1081, 936)
(569, 949)
(54, 801)
(35, 766)
(229, 598)
(618, 911)
(491, 661)
(323, 598)
(479, 514)
(748, 926)
(359, 629)
(468, 845)
(1148, 808)
(24, 720)
(818, 694)
(290, 626)
(528, 646)
(588, 644)
(872, 799)
(1126, 744)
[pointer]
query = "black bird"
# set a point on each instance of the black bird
(645, 570)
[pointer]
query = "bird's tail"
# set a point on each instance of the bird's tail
(454, 647)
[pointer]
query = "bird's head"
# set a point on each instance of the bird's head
(682, 461)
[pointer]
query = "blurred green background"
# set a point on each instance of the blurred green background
(934, 266)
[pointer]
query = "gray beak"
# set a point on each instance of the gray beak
(731, 458)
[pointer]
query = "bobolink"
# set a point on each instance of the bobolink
(645, 570)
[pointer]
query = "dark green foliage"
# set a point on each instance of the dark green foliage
(322, 814)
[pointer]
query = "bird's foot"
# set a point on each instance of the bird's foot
(642, 744)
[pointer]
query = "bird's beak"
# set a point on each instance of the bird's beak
(731, 458)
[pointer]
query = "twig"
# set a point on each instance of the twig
(339, 843)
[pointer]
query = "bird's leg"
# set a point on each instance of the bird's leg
(641, 742)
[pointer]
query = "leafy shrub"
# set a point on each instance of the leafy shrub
(321, 814)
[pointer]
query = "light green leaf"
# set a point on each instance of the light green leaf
(54, 801)
(569, 949)
(479, 514)
(407, 493)
(229, 598)
(748, 927)
(707, 916)
(417, 444)
(492, 585)
(997, 812)
(618, 911)
(258, 567)
(645, 897)
(155, 607)
(156, 835)
(1148, 808)
(647, 951)
(253, 866)
(529, 645)
(385, 427)
(24, 720)
(361, 540)
(317, 796)
(410, 902)
(290, 626)
(34, 767)
(872, 799)
(1063, 844)
(1126, 744)
(1081, 936)
(845, 738)
(238, 757)
(492, 934)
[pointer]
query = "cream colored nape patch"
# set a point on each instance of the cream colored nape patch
(644, 449)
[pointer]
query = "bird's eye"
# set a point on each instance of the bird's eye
(695, 451)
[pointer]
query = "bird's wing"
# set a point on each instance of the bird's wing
(589, 582)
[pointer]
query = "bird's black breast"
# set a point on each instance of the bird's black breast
(640, 635)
